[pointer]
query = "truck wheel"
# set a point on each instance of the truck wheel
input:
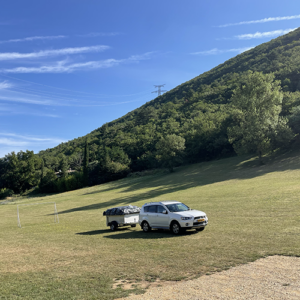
(146, 227)
(200, 229)
(175, 228)
(113, 226)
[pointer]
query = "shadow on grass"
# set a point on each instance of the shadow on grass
(126, 233)
(93, 232)
(187, 177)
(155, 234)
(102, 231)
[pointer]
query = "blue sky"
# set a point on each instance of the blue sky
(67, 67)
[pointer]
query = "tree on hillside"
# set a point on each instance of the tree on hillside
(86, 164)
(76, 161)
(63, 167)
(169, 150)
(48, 183)
(42, 172)
(257, 104)
(20, 171)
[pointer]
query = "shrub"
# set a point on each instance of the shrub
(5, 193)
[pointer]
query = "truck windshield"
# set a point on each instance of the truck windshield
(177, 207)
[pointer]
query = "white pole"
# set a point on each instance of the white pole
(19, 223)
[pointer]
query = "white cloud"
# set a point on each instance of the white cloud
(32, 138)
(8, 109)
(35, 97)
(220, 51)
(29, 100)
(144, 56)
(11, 142)
(13, 111)
(5, 85)
(95, 34)
(63, 67)
(267, 34)
(275, 19)
(47, 53)
(33, 38)
(16, 142)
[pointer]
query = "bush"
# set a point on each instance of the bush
(59, 185)
(5, 193)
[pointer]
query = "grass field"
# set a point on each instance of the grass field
(253, 212)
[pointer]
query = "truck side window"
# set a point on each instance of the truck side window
(160, 209)
(152, 208)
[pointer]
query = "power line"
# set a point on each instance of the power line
(159, 90)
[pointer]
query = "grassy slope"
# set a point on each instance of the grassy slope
(253, 212)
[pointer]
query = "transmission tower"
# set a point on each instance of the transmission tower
(159, 90)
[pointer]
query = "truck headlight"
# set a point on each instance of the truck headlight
(186, 218)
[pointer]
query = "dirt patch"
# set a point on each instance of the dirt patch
(129, 285)
(274, 277)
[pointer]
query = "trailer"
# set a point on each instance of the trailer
(122, 216)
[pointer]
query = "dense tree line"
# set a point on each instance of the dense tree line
(249, 104)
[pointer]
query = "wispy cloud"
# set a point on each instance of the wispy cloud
(10, 142)
(6, 110)
(95, 34)
(63, 67)
(216, 51)
(27, 100)
(33, 38)
(5, 85)
(9, 109)
(47, 53)
(16, 142)
(267, 34)
(31, 138)
(265, 20)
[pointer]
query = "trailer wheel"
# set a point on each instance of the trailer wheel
(113, 226)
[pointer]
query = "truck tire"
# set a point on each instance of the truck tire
(146, 227)
(175, 228)
(113, 226)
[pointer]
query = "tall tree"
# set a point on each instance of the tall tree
(42, 172)
(169, 150)
(63, 166)
(257, 104)
(86, 164)
(20, 171)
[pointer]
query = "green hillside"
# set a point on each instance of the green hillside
(196, 121)
(197, 110)
(253, 212)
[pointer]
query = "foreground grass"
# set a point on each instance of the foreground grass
(253, 212)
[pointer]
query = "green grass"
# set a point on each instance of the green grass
(253, 212)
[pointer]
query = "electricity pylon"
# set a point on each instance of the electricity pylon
(159, 90)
